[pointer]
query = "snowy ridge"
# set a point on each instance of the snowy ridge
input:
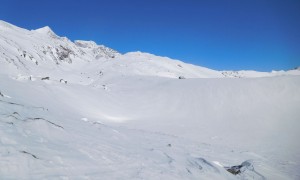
(46, 31)
(33, 50)
(98, 51)
(30, 51)
(78, 110)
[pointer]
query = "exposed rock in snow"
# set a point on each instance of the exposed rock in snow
(98, 51)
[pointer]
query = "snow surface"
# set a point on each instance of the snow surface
(78, 110)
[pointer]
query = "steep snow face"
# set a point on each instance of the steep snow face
(84, 111)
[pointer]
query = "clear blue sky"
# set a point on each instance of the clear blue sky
(219, 34)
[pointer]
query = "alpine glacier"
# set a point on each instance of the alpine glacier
(78, 110)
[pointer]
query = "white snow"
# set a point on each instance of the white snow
(98, 114)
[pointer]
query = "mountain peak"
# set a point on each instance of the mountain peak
(46, 30)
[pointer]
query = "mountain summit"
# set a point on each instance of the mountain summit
(46, 30)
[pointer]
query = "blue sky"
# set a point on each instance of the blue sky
(219, 34)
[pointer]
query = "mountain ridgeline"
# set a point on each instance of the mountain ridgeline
(23, 51)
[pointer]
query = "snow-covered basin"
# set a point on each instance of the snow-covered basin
(227, 121)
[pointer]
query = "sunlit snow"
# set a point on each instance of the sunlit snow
(84, 111)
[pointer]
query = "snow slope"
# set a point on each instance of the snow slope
(78, 110)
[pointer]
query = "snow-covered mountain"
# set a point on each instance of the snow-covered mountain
(33, 51)
(78, 110)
